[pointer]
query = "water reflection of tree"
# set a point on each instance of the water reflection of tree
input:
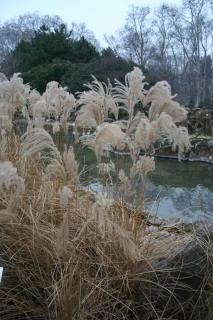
(190, 203)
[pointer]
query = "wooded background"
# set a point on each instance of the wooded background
(171, 43)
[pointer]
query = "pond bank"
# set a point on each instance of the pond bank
(201, 151)
(205, 159)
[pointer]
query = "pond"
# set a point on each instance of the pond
(174, 190)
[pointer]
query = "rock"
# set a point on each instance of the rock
(210, 144)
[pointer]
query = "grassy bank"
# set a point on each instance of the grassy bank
(70, 254)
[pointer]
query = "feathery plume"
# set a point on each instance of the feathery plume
(56, 127)
(161, 101)
(37, 140)
(132, 92)
(146, 134)
(181, 141)
(3, 145)
(143, 166)
(9, 178)
(70, 164)
(11, 186)
(65, 195)
(106, 168)
(13, 95)
(112, 230)
(96, 105)
(55, 170)
(108, 134)
(3, 77)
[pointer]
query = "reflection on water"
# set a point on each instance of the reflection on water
(174, 202)
(173, 190)
(181, 190)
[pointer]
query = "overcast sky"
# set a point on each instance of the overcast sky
(100, 16)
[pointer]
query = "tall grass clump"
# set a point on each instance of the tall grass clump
(68, 253)
(140, 132)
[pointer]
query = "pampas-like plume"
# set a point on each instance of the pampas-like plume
(70, 164)
(125, 186)
(59, 102)
(11, 186)
(143, 166)
(106, 168)
(122, 177)
(55, 170)
(99, 94)
(37, 140)
(108, 134)
(38, 109)
(100, 214)
(3, 145)
(5, 122)
(177, 136)
(132, 92)
(181, 141)
(96, 104)
(161, 101)
(173, 108)
(9, 178)
(146, 134)
(161, 89)
(56, 127)
(167, 126)
(65, 195)
(33, 97)
(89, 116)
(88, 140)
(112, 230)
(67, 107)
(13, 95)
(135, 122)
(3, 77)
(55, 102)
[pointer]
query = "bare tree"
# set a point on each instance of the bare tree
(162, 27)
(79, 30)
(191, 34)
(134, 40)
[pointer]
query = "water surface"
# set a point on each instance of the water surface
(174, 190)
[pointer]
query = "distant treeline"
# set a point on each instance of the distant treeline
(173, 43)
(55, 54)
